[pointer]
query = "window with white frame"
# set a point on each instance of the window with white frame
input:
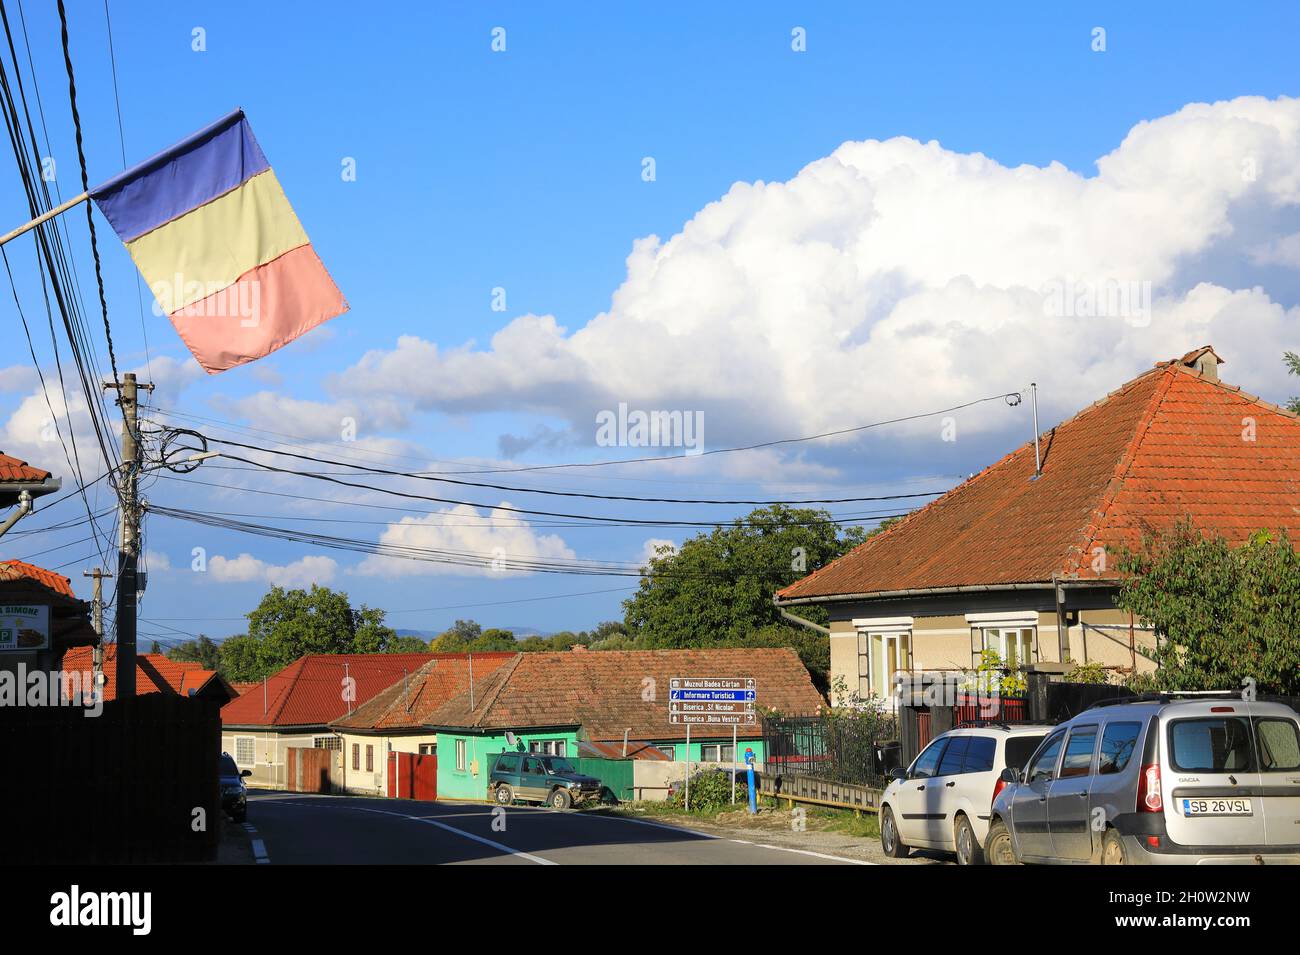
(883, 651)
(668, 749)
(428, 749)
(245, 750)
(1014, 645)
(460, 755)
(326, 742)
(717, 753)
(551, 747)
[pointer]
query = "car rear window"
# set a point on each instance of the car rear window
(1020, 748)
(508, 764)
(228, 767)
(979, 758)
(1212, 744)
(1279, 745)
(1118, 742)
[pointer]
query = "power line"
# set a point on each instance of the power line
(413, 475)
(310, 444)
(121, 138)
(85, 185)
(497, 562)
(489, 603)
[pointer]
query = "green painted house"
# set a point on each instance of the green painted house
(601, 705)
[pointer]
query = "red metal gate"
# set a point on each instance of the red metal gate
(412, 776)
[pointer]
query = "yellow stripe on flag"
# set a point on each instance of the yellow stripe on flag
(209, 248)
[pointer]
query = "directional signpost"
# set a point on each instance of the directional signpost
(725, 701)
(712, 702)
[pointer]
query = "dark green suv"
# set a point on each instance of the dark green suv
(535, 777)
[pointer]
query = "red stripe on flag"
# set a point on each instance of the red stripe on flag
(268, 307)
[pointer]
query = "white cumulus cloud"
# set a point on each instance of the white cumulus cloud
(302, 573)
(896, 276)
(496, 543)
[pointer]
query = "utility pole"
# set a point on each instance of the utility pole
(97, 608)
(129, 552)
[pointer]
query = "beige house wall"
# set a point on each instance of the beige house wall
(375, 782)
(844, 659)
(945, 642)
(269, 765)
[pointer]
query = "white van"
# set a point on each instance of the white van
(942, 801)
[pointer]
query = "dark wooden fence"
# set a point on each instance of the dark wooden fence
(135, 784)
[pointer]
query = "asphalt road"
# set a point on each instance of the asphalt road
(333, 830)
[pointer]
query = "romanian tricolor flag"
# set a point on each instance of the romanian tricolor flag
(214, 236)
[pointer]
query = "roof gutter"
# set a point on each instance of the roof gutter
(37, 488)
(928, 591)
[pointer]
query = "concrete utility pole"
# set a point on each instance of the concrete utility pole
(97, 609)
(129, 553)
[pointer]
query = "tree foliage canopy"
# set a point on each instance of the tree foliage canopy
(1293, 366)
(290, 623)
(716, 589)
(1223, 614)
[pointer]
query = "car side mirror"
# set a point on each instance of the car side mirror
(246, 772)
(898, 773)
(1010, 775)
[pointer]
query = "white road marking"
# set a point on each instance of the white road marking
(709, 835)
(259, 852)
(431, 821)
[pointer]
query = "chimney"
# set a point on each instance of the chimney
(1205, 361)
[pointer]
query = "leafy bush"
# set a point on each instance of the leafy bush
(1087, 673)
(711, 792)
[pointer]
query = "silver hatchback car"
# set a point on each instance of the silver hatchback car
(1167, 781)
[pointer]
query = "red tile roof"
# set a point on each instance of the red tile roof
(12, 469)
(407, 703)
(608, 692)
(155, 672)
(18, 570)
(1166, 445)
(309, 691)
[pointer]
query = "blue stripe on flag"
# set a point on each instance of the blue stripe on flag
(183, 177)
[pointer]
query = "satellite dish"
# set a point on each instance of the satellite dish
(511, 739)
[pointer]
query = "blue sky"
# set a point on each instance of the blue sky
(523, 170)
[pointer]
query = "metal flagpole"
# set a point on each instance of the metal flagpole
(57, 210)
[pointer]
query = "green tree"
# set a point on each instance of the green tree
(1224, 615)
(239, 662)
(1293, 366)
(718, 586)
(290, 623)
(466, 636)
(716, 589)
(203, 650)
(407, 643)
(456, 638)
